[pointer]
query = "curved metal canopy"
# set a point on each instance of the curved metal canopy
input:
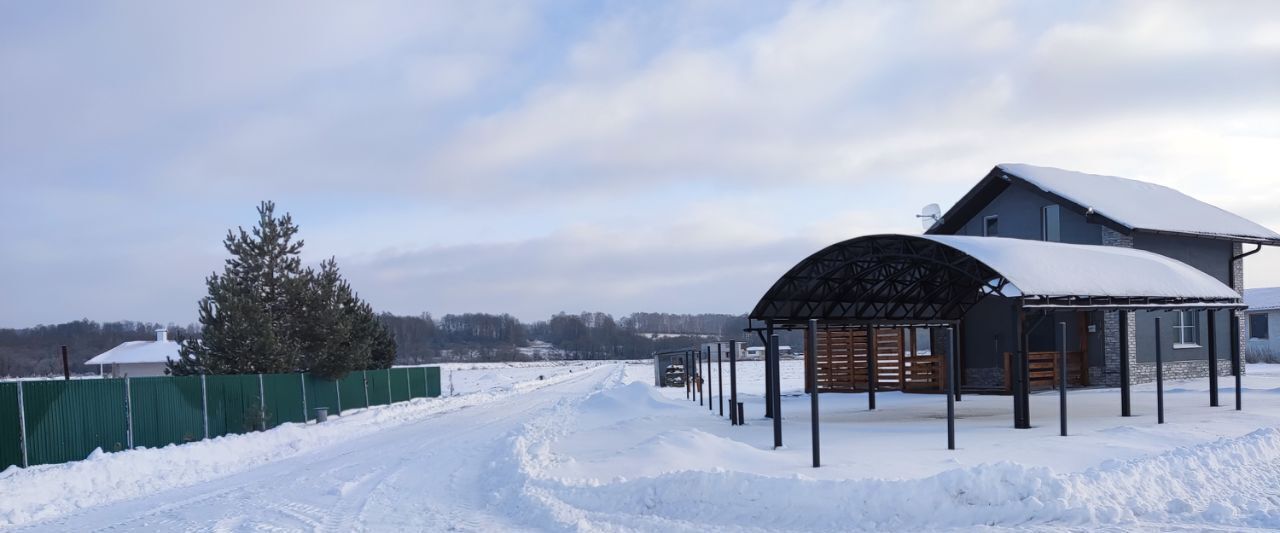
(935, 278)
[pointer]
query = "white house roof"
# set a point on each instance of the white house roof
(138, 352)
(1140, 205)
(1055, 269)
(1262, 299)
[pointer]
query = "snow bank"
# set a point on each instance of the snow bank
(46, 491)
(1229, 482)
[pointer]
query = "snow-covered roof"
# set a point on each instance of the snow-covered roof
(1055, 269)
(1262, 299)
(927, 279)
(1140, 205)
(137, 352)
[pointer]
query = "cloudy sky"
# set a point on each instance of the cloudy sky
(533, 157)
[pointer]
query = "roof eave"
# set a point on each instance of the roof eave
(1215, 236)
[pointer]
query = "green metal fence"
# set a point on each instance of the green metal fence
(166, 410)
(418, 383)
(379, 387)
(433, 381)
(66, 420)
(10, 430)
(399, 384)
(46, 422)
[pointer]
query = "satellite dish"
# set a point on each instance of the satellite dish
(929, 215)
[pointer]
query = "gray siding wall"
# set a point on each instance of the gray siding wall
(1209, 256)
(1019, 210)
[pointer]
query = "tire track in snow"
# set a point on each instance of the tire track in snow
(383, 467)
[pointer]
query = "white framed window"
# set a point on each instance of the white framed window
(991, 226)
(1186, 331)
(1051, 223)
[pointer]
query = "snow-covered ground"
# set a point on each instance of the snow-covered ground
(599, 448)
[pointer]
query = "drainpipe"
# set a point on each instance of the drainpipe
(1234, 315)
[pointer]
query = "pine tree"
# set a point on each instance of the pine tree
(249, 317)
(266, 314)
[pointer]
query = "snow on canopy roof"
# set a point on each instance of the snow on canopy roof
(137, 352)
(1262, 299)
(1039, 268)
(1140, 205)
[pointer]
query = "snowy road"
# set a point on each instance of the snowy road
(435, 475)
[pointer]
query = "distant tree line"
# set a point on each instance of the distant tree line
(587, 335)
(419, 339)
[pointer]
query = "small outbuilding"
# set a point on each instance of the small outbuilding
(137, 359)
(1264, 323)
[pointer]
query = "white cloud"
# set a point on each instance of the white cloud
(530, 157)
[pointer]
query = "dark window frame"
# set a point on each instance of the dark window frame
(1051, 212)
(1259, 318)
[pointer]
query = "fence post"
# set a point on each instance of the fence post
(204, 404)
(365, 380)
(337, 389)
(22, 426)
(262, 403)
(128, 412)
(302, 378)
(408, 383)
(390, 398)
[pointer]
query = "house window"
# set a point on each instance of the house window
(991, 226)
(1187, 329)
(1051, 223)
(1258, 326)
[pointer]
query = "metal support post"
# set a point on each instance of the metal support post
(128, 413)
(1213, 357)
(302, 379)
(262, 403)
(812, 355)
(338, 394)
(871, 368)
(1062, 379)
(204, 404)
(776, 401)
(768, 373)
(1125, 409)
(22, 426)
(953, 334)
(364, 375)
(733, 382)
(710, 385)
(951, 389)
(720, 375)
(1159, 376)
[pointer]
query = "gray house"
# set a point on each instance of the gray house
(1049, 204)
(1263, 324)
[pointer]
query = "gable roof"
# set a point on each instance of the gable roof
(137, 352)
(1262, 299)
(1125, 205)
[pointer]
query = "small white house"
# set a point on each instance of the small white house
(137, 358)
(757, 352)
(1263, 323)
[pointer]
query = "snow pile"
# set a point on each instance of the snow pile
(46, 491)
(1227, 482)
